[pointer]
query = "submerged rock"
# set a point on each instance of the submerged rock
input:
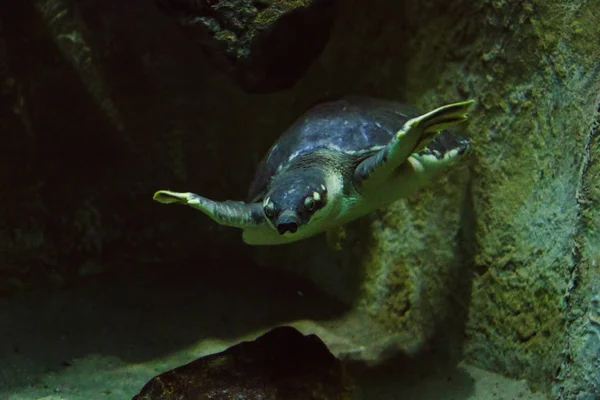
(265, 45)
(281, 364)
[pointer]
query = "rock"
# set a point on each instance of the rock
(264, 45)
(282, 364)
(578, 376)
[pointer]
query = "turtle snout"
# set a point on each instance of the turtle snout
(287, 222)
(291, 227)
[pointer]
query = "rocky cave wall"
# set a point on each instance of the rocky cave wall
(103, 104)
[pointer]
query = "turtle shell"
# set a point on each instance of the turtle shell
(353, 125)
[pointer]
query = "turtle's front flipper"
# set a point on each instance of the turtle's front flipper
(229, 213)
(414, 136)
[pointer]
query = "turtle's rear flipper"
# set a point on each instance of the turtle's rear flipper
(335, 237)
(229, 213)
(414, 136)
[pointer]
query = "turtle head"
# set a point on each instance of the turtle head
(293, 199)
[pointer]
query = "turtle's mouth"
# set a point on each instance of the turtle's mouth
(287, 222)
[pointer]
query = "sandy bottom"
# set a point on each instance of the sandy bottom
(105, 338)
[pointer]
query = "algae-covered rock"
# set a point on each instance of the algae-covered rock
(578, 376)
(538, 88)
(264, 45)
(537, 83)
(282, 364)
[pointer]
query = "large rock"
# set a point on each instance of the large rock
(578, 376)
(264, 45)
(282, 364)
(538, 85)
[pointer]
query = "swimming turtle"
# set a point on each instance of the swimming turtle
(339, 161)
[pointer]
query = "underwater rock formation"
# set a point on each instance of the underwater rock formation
(105, 104)
(264, 45)
(282, 364)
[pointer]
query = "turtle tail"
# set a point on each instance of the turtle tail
(229, 213)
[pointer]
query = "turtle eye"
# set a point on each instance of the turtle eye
(269, 210)
(309, 203)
